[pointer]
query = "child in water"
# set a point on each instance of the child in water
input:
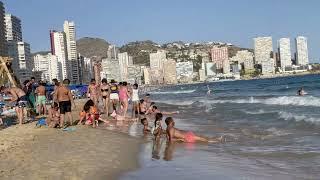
(90, 114)
(146, 128)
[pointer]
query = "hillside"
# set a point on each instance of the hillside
(89, 47)
(140, 50)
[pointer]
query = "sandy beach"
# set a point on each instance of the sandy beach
(33, 153)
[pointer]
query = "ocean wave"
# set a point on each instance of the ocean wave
(282, 100)
(290, 116)
(174, 92)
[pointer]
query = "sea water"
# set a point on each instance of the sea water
(271, 132)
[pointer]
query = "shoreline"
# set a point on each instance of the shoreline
(27, 152)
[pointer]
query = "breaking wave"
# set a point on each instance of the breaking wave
(174, 92)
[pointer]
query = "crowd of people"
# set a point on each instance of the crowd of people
(109, 99)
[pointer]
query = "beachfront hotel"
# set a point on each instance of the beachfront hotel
(48, 65)
(302, 51)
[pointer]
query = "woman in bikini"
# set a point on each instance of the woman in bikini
(105, 94)
(93, 91)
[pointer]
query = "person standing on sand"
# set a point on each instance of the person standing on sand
(93, 91)
(56, 84)
(41, 98)
(65, 99)
(20, 99)
(123, 97)
(105, 94)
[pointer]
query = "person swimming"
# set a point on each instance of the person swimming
(174, 134)
(301, 92)
(209, 90)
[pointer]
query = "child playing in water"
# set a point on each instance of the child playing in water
(157, 130)
(186, 136)
(90, 114)
(146, 128)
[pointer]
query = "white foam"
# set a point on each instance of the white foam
(174, 92)
(290, 116)
(282, 100)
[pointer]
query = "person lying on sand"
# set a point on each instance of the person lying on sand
(155, 110)
(53, 119)
(174, 134)
(146, 128)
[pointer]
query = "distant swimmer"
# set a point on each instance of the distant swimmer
(175, 134)
(209, 90)
(301, 92)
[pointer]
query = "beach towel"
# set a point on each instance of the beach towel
(9, 112)
(41, 122)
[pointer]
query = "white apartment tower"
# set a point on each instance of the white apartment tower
(285, 52)
(70, 34)
(262, 49)
(157, 59)
(302, 50)
(13, 28)
(24, 66)
(59, 48)
(123, 64)
(48, 65)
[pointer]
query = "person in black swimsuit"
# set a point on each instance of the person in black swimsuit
(105, 95)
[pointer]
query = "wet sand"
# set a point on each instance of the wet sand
(27, 152)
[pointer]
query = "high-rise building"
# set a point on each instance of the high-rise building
(244, 58)
(302, 50)
(146, 76)
(70, 34)
(48, 65)
(157, 59)
(123, 64)
(219, 56)
(262, 49)
(285, 52)
(3, 43)
(110, 69)
(24, 65)
(170, 73)
(59, 48)
(184, 71)
(13, 28)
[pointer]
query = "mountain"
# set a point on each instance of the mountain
(140, 50)
(89, 47)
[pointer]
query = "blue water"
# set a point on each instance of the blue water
(271, 132)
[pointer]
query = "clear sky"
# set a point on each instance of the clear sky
(122, 21)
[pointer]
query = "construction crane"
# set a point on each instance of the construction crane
(6, 71)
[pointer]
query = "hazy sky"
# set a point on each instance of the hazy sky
(122, 21)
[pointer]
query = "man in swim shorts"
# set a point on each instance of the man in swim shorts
(19, 98)
(41, 98)
(174, 134)
(65, 99)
